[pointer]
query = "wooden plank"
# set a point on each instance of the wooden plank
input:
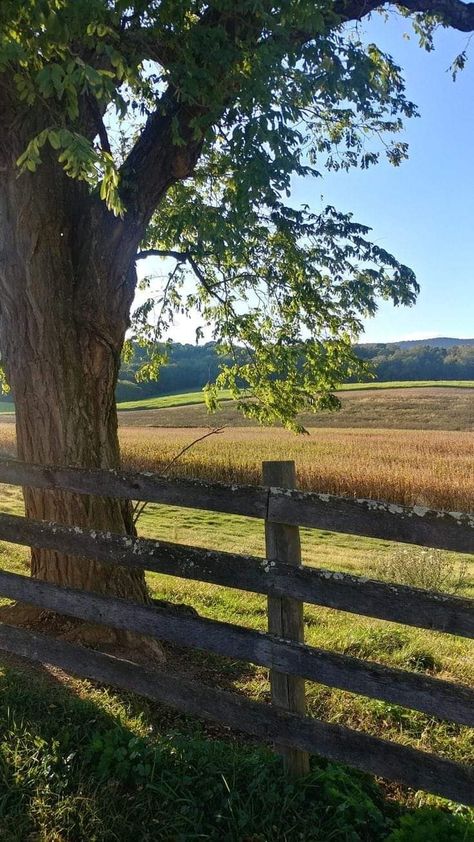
(356, 594)
(375, 519)
(249, 501)
(285, 615)
(398, 603)
(417, 525)
(443, 699)
(408, 766)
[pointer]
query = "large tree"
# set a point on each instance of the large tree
(174, 127)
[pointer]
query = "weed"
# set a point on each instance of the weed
(432, 826)
(424, 568)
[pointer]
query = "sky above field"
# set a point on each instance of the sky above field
(422, 211)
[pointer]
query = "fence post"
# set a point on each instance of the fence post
(285, 615)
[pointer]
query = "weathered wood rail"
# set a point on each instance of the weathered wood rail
(288, 585)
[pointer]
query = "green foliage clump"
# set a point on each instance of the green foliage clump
(426, 825)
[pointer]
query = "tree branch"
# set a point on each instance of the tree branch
(183, 257)
(139, 508)
(180, 256)
(99, 124)
(157, 160)
(453, 13)
(169, 146)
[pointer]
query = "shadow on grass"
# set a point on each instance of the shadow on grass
(80, 762)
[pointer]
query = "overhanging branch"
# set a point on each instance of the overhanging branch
(157, 161)
(454, 13)
(183, 257)
(180, 256)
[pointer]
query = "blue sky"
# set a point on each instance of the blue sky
(422, 211)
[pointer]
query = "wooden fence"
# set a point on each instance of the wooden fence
(288, 585)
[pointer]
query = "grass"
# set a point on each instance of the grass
(7, 406)
(165, 401)
(192, 398)
(72, 766)
(426, 652)
(446, 656)
(82, 763)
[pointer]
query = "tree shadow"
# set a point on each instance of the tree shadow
(79, 761)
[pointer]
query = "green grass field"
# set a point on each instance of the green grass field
(192, 398)
(166, 401)
(7, 406)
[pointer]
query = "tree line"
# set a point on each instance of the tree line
(190, 367)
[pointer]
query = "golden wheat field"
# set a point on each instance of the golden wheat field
(430, 468)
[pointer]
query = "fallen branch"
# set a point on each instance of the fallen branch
(140, 507)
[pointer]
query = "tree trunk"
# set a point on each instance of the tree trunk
(65, 295)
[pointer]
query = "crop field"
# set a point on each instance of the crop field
(427, 468)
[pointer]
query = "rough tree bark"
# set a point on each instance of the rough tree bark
(65, 293)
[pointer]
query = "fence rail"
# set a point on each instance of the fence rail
(288, 585)
(345, 592)
(374, 519)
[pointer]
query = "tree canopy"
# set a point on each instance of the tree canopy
(186, 121)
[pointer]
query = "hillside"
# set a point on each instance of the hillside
(415, 408)
(434, 342)
(190, 367)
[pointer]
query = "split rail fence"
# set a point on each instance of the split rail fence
(287, 583)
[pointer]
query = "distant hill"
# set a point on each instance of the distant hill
(434, 342)
(190, 367)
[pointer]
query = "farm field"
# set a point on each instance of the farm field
(425, 467)
(429, 468)
(196, 398)
(416, 408)
(193, 398)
